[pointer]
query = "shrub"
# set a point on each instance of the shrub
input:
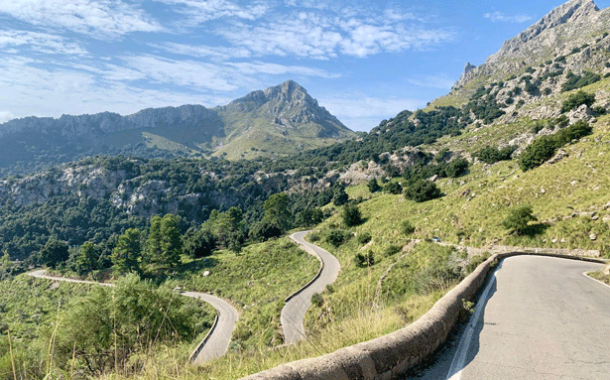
(351, 215)
(393, 188)
(364, 260)
(407, 227)
(392, 250)
(317, 299)
(422, 191)
(373, 185)
(574, 81)
(337, 237)
(340, 197)
(518, 219)
(457, 168)
(543, 148)
(364, 238)
(576, 100)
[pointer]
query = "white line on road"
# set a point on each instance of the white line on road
(457, 365)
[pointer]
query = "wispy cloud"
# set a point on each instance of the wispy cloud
(5, 116)
(39, 42)
(440, 81)
(97, 18)
(501, 17)
(203, 51)
(363, 113)
(200, 11)
(319, 36)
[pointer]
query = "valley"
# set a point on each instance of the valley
(218, 201)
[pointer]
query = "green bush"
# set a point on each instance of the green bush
(422, 191)
(578, 81)
(518, 219)
(317, 299)
(393, 188)
(576, 100)
(391, 250)
(351, 215)
(456, 168)
(337, 237)
(364, 238)
(364, 260)
(373, 185)
(407, 227)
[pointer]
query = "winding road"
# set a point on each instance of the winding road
(296, 305)
(538, 318)
(216, 342)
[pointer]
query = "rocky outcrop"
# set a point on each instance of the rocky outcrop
(572, 25)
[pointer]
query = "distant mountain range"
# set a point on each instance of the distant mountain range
(277, 121)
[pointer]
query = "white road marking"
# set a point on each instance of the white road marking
(457, 364)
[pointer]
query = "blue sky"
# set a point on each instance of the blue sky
(364, 60)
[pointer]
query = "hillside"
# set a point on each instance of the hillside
(276, 121)
(528, 128)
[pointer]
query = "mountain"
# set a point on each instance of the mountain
(277, 121)
(577, 28)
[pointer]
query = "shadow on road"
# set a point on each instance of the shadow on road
(438, 365)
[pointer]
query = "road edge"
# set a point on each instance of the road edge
(314, 278)
(395, 353)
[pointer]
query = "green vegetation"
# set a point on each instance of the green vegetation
(373, 185)
(491, 154)
(545, 147)
(351, 215)
(576, 100)
(422, 191)
(393, 188)
(574, 81)
(407, 227)
(518, 219)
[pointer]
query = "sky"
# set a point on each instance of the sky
(363, 60)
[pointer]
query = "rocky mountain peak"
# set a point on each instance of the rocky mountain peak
(567, 27)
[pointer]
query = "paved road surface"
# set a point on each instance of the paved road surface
(541, 319)
(217, 341)
(294, 311)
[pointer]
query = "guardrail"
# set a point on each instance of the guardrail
(393, 354)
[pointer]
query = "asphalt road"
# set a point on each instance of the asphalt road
(294, 311)
(541, 318)
(216, 343)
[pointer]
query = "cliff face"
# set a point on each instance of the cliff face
(567, 27)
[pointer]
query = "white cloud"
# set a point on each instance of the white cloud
(200, 11)
(362, 113)
(213, 52)
(501, 17)
(433, 81)
(5, 116)
(319, 36)
(97, 18)
(39, 42)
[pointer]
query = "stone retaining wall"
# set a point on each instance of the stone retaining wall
(391, 355)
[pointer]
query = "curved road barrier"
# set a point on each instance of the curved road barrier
(393, 354)
(297, 304)
(216, 342)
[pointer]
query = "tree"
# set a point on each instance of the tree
(456, 168)
(364, 260)
(373, 185)
(5, 262)
(422, 191)
(171, 242)
(351, 215)
(518, 219)
(87, 259)
(309, 217)
(277, 212)
(127, 252)
(340, 197)
(54, 252)
(153, 246)
(576, 100)
(199, 243)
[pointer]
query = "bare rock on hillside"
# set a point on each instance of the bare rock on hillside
(560, 155)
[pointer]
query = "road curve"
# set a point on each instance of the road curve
(538, 318)
(294, 311)
(215, 344)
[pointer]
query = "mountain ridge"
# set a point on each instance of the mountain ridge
(284, 114)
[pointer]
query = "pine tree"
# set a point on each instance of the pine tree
(154, 254)
(87, 259)
(127, 252)
(171, 242)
